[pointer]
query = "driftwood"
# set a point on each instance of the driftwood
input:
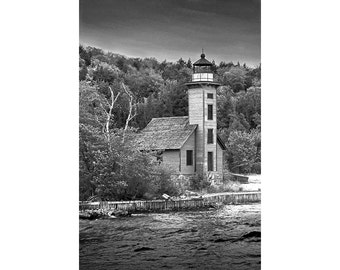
(101, 214)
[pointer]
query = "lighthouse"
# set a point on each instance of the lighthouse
(202, 112)
(189, 145)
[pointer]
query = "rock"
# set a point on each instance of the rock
(89, 215)
(191, 193)
(122, 213)
(111, 214)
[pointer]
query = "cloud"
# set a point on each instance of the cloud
(229, 29)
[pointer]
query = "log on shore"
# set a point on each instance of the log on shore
(100, 214)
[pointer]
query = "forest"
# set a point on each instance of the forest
(118, 96)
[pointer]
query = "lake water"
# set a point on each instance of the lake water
(227, 238)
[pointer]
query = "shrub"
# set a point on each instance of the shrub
(229, 186)
(241, 151)
(161, 183)
(226, 176)
(120, 171)
(198, 183)
(256, 168)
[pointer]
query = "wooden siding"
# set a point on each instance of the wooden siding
(219, 159)
(210, 124)
(171, 158)
(189, 145)
(198, 114)
(197, 141)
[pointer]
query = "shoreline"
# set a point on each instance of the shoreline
(113, 209)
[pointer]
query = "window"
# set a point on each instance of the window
(210, 161)
(189, 157)
(210, 112)
(210, 136)
(210, 95)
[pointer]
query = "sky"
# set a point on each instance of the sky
(227, 30)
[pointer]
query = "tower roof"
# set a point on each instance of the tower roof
(202, 61)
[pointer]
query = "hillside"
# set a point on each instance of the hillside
(118, 93)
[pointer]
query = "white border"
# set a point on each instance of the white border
(39, 135)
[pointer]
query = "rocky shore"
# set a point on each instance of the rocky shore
(111, 214)
(110, 210)
(103, 214)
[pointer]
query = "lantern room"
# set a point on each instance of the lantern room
(202, 70)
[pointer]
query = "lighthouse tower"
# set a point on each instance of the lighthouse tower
(202, 112)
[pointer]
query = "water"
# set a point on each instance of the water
(228, 238)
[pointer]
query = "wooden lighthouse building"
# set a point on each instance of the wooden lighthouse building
(190, 144)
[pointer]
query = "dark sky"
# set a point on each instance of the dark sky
(228, 30)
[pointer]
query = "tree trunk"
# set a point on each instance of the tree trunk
(132, 110)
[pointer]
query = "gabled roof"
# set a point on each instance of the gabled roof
(165, 133)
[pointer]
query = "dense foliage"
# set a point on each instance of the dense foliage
(119, 95)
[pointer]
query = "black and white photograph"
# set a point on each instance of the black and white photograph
(170, 134)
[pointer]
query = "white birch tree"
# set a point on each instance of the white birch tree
(132, 108)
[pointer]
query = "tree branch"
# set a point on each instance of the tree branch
(132, 109)
(109, 114)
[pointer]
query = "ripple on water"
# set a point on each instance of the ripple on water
(228, 238)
